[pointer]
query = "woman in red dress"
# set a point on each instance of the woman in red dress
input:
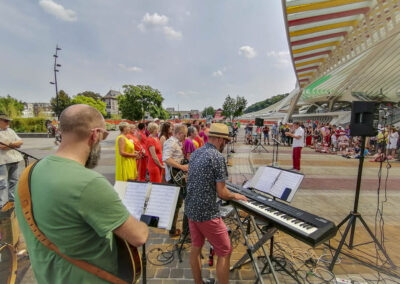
(142, 166)
(154, 164)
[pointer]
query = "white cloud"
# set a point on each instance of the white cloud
(170, 33)
(58, 11)
(282, 57)
(152, 21)
(158, 22)
(130, 69)
(218, 73)
(187, 94)
(247, 51)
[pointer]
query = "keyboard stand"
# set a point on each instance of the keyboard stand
(267, 265)
(251, 249)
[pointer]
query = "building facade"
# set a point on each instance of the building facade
(111, 100)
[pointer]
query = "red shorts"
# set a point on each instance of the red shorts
(216, 233)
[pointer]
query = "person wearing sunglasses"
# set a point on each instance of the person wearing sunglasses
(76, 208)
(9, 160)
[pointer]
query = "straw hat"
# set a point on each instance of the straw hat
(5, 117)
(219, 130)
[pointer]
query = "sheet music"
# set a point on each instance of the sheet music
(120, 188)
(162, 203)
(286, 180)
(135, 197)
(265, 178)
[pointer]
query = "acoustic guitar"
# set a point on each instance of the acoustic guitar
(178, 176)
(129, 261)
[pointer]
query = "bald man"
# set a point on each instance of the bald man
(75, 207)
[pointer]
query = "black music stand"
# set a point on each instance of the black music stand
(144, 264)
(352, 218)
(275, 153)
(259, 144)
(180, 243)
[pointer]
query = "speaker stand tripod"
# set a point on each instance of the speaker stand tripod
(352, 218)
(258, 145)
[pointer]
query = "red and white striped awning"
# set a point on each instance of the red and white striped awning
(316, 28)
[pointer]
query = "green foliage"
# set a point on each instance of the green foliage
(97, 104)
(208, 111)
(64, 101)
(10, 106)
(111, 126)
(265, 103)
(233, 107)
(90, 94)
(27, 125)
(137, 100)
(115, 116)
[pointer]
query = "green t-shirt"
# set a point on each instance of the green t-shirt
(77, 209)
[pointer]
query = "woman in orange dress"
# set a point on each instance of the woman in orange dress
(154, 164)
(142, 167)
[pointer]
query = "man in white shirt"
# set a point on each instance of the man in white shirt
(172, 157)
(9, 160)
(298, 144)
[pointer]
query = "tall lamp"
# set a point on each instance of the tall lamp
(55, 80)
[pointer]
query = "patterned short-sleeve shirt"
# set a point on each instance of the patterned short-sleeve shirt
(172, 148)
(207, 167)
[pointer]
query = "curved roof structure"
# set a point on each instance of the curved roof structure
(345, 49)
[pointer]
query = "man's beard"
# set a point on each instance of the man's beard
(94, 156)
(222, 147)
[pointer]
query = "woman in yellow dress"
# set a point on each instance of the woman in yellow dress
(125, 156)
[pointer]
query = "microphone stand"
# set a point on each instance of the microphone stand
(25, 155)
(275, 153)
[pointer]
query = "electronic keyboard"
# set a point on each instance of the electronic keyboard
(304, 226)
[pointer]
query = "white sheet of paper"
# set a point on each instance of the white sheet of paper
(265, 177)
(135, 197)
(286, 179)
(162, 204)
(120, 188)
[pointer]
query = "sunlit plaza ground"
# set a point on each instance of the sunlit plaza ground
(327, 190)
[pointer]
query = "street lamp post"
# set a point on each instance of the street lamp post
(55, 79)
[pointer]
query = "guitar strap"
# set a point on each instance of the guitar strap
(24, 194)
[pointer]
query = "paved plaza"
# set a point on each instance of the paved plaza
(328, 191)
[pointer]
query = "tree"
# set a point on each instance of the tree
(64, 101)
(10, 106)
(228, 107)
(90, 94)
(96, 103)
(233, 107)
(208, 111)
(240, 105)
(137, 100)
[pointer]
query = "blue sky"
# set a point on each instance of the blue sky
(194, 52)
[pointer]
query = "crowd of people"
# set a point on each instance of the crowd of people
(331, 139)
(140, 148)
(77, 211)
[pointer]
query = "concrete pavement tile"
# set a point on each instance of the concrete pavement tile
(162, 273)
(176, 273)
